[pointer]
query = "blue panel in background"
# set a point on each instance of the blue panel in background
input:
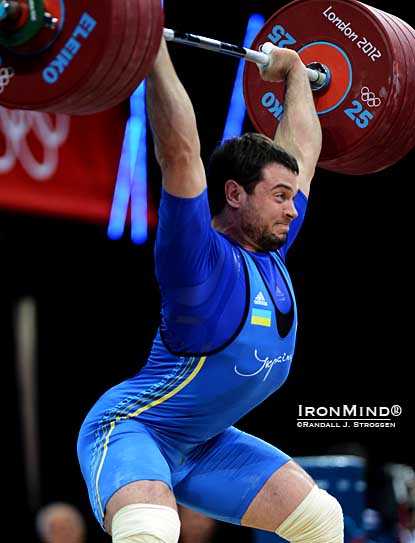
(237, 109)
(131, 181)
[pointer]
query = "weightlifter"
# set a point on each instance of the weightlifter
(227, 334)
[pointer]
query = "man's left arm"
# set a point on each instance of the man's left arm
(299, 130)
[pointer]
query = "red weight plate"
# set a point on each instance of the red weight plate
(120, 39)
(43, 80)
(145, 25)
(146, 50)
(409, 33)
(83, 100)
(140, 25)
(391, 141)
(153, 43)
(134, 66)
(401, 138)
(384, 148)
(345, 32)
(341, 74)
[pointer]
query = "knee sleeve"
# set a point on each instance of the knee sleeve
(145, 523)
(318, 519)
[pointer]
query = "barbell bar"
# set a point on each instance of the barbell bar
(317, 78)
(82, 58)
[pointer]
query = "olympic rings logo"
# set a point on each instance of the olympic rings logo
(370, 97)
(50, 130)
(6, 75)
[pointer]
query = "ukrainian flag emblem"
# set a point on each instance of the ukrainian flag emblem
(260, 317)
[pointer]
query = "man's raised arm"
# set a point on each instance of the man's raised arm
(173, 124)
(299, 131)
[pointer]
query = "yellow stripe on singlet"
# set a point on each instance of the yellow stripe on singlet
(136, 413)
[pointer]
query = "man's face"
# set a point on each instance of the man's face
(266, 214)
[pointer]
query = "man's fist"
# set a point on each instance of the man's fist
(281, 62)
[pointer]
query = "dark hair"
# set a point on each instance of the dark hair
(242, 158)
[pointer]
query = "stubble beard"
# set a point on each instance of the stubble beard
(262, 237)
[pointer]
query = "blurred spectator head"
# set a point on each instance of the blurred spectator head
(60, 522)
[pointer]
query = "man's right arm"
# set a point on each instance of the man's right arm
(173, 124)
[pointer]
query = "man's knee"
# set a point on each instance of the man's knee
(318, 519)
(145, 523)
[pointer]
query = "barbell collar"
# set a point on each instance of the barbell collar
(49, 21)
(324, 76)
(318, 79)
(9, 10)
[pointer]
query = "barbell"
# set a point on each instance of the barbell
(55, 56)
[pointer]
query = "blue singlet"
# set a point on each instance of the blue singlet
(225, 343)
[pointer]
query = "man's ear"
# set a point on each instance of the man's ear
(233, 193)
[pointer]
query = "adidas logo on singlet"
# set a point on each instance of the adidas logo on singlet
(260, 299)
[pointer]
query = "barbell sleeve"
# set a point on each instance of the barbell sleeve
(9, 10)
(317, 78)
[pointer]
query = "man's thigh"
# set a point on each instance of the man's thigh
(281, 494)
(121, 464)
(227, 474)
